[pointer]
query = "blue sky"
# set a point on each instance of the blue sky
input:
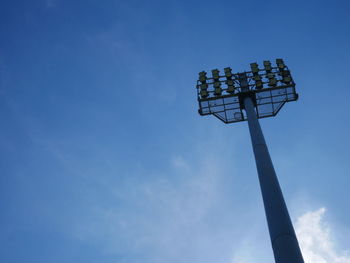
(104, 157)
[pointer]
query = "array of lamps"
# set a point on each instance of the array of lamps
(229, 82)
(285, 73)
(256, 77)
(217, 83)
(268, 72)
(203, 86)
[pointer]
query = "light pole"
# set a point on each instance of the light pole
(251, 95)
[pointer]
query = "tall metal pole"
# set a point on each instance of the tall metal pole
(284, 242)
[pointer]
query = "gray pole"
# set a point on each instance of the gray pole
(284, 242)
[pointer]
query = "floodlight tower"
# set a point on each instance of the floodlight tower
(251, 95)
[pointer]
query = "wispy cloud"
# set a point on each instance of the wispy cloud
(167, 217)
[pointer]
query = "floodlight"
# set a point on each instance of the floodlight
(217, 84)
(230, 89)
(204, 94)
(204, 90)
(230, 86)
(280, 64)
(272, 82)
(230, 82)
(215, 74)
(257, 77)
(272, 79)
(204, 86)
(228, 72)
(217, 88)
(285, 73)
(249, 96)
(254, 67)
(203, 76)
(270, 75)
(267, 65)
(286, 79)
(259, 85)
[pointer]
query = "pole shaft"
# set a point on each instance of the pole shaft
(283, 239)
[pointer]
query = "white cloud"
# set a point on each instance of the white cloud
(315, 239)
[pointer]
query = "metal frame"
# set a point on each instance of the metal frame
(228, 106)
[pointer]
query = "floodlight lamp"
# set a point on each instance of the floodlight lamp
(230, 89)
(286, 79)
(270, 75)
(230, 86)
(215, 73)
(230, 82)
(272, 82)
(217, 88)
(217, 84)
(267, 65)
(280, 64)
(256, 77)
(255, 68)
(285, 73)
(204, 86)
(204, 94)
(259, 84)
(203, 76)
(228, 72)
(217, 91)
